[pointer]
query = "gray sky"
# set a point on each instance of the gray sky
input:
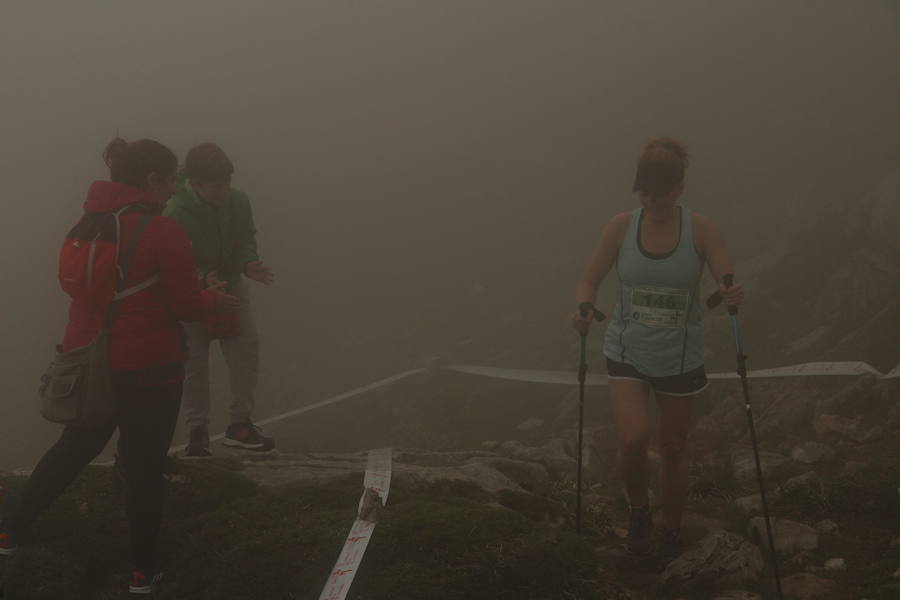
(403, 155)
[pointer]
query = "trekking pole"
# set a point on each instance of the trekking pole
(583, 309)
(713, 301)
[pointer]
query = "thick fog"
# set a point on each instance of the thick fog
(421, 170)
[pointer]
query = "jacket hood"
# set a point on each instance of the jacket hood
(109, 196)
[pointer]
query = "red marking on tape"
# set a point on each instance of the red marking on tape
(341, 572)
(357, 538)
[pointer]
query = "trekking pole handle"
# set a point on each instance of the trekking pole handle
(584, 307)
(716, 298)
(728, 281)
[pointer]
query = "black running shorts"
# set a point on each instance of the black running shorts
(686, 384)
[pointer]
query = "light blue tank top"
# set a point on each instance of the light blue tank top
(657, 326)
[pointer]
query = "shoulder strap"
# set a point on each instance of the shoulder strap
(124, 265)
(634, 223)
(128, 255)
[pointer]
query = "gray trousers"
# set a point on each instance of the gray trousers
(241, 355)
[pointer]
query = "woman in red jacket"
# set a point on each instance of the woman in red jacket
(146, 354)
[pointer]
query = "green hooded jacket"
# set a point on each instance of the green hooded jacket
(223, 238)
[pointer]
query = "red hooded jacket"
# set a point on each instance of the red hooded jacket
(145, 333)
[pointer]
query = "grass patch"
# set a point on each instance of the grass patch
(454, 548)
(226, 538)
(713, 481)
(533, 507)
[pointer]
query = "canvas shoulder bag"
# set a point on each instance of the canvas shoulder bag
(76, 389)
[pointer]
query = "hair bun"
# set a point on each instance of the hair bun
(115, 151)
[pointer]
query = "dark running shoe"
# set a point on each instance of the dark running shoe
(640, 529)
(247, 436)
(144, 583)
(669, 548)
(198, 443)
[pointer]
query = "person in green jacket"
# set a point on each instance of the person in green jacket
(219, 222)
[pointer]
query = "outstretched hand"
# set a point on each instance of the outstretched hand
(211, 279)
(225, 302)
(257, 271)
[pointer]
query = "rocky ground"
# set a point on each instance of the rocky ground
(483, 491)
(829, 454)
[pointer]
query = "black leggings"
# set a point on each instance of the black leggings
(146, 418)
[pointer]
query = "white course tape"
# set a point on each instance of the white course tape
(807, 369)
(570, 377)
(304, 409)
(557, 377)
(377, 484)
(338, 398)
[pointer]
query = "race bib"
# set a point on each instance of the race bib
(659, 307)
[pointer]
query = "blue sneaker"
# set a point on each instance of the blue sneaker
(142, 583)
(247, 436)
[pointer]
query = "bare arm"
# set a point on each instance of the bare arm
(712, 248)
(603, 258)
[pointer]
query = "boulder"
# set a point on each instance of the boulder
(835, 564)
(773, 464)
(720, 558)
(790, 536)
(749, 504)
(806, 586)
(552, 455)
(827, 527)
(809, 480)
(811, 453)
(838, 427)
(411, 468)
